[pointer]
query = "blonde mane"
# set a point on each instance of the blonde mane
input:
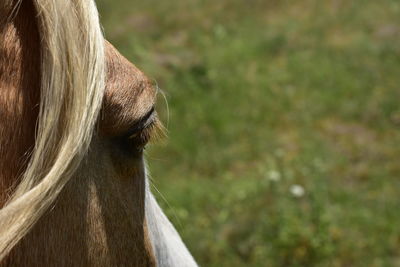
(72, 88)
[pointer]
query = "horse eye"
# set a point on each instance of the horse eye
(134, 140)
(142, 124)
(147, 129)
(139, 139)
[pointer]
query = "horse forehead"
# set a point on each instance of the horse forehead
(129, 93)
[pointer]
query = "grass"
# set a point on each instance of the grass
(265, 95)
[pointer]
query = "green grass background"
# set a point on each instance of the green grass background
(264, 95)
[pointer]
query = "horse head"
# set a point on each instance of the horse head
(75, 117)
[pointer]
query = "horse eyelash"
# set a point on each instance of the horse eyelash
(153, 133)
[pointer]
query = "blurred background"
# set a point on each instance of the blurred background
(284, 119)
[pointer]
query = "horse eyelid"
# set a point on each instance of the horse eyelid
(141, 124)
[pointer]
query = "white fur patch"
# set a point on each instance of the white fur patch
(169, 249)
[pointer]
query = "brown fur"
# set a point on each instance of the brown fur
(99, 219)
(19, 94)
(129, 94)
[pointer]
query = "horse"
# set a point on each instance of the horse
(75, 117)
